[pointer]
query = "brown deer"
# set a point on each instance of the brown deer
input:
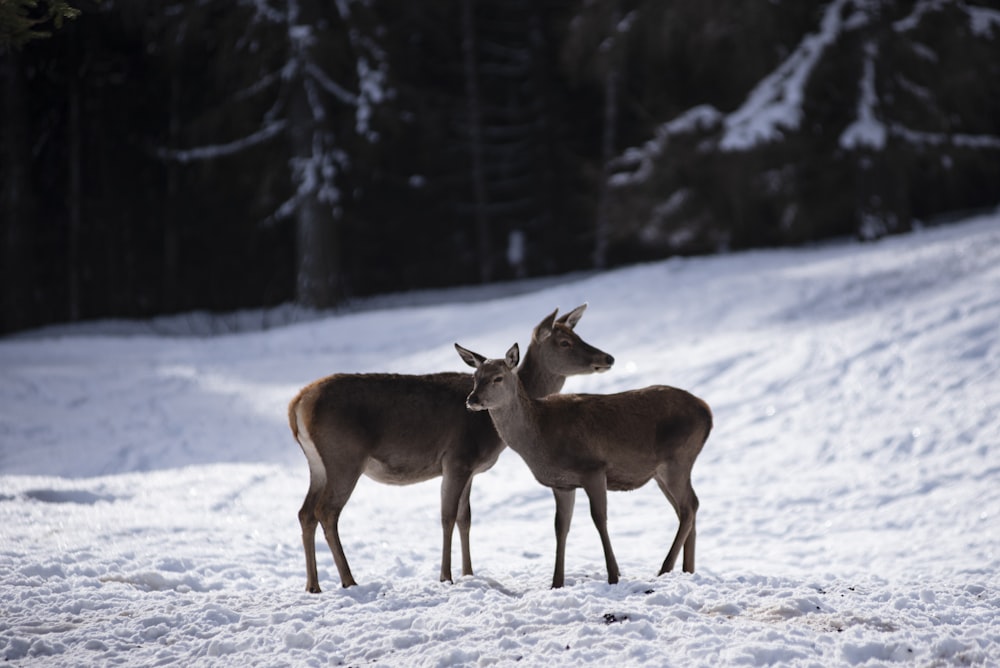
(403, 429)
(598, 442)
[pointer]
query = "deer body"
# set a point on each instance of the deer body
(599, 443)
(403, 429)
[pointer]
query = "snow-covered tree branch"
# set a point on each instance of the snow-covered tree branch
(878, 104)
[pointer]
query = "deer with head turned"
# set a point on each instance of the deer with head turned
(403, 429)
(599, 442)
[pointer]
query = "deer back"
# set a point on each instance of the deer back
(406, 423)
(628, 434)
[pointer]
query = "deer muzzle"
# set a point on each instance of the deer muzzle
(600, 366)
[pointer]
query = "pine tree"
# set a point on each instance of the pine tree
(22, 21)
(317, 71)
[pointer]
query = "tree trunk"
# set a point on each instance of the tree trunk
(73, 273)
(169, 295)
(475, 128)
(15, 199)
(602, 227)
(317, 261)
(317, 258)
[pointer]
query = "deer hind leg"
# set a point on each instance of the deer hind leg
(340, 484)
(308, 521)
(307, 514)
(565, 500)
(597, 491)
(674, 480)
(455, 487)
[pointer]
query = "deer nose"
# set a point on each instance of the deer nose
(473, 401)
(602, 366)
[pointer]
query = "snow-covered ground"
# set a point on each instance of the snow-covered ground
(850, 492)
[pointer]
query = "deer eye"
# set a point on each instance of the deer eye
(498, 379)
(565, 344)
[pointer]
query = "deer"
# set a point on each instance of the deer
(599, 442)
(403, 429)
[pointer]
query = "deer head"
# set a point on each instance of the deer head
(494, 382)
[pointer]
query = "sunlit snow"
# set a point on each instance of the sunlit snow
(850, 492)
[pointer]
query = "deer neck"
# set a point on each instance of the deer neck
(537, 380)
(516, 421)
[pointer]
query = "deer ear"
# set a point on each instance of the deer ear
(573, 317)
(513, 356)
(544, 329)
(472, 359)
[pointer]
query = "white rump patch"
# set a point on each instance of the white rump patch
(317, 472)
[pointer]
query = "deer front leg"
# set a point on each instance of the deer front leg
(464, 522)
(565, 499)
(453, 484)
(596, 487)
(689, 548)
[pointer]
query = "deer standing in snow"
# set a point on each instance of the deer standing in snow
(598, 442)
(403, 429)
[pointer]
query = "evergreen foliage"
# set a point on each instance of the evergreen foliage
(159, 157)
(22, 21)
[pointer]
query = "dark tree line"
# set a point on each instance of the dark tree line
(207, 154)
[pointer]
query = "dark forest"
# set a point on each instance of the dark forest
(159, 157)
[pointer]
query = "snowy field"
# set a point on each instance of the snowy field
(850, 492)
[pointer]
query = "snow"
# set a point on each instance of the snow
(330, 86)
(866, 130)
(640, 160)
(850, 505)
(213, 151)
(939, 139)
(920, 8)
(982, 20)
(771, 108)
(775, 104)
